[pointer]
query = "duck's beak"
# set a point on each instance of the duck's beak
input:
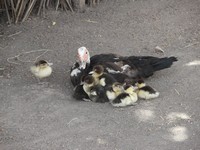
(82, 62)
(83, 65)
(83, 57)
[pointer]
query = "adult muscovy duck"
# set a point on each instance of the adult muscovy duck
(131, 66)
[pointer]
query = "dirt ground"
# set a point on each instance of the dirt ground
(34, 116)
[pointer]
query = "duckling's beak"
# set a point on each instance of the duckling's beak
(91, 72)
(121, 88)
(135, 87)
(50, 64)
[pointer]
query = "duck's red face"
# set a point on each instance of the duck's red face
(83, 57)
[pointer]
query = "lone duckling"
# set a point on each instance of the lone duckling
(95, 92)
(101, 77)
(145, 91)
(127, 98)
(41, 69)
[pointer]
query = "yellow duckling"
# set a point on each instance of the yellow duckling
(102, 78)
(95, 92)
(113, 91)
(145, 91)
(88, 83)
(127, 98)
(41, 69)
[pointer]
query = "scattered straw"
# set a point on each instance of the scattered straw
(177, 91)
(191, 44)
(15, 34)
(68, 124)
(90, 21)
(159, 49)
(17, 57)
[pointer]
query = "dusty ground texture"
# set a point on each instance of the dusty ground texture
(44, 117)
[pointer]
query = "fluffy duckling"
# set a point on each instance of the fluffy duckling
(145, 91)
(79, 92)
(88, 83)
(41, 69)
(98, 94)
(101, 77)
(127, 98)
(113, 91)
(94, 91)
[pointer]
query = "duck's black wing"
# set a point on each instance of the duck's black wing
(105, 60)
(147, 65)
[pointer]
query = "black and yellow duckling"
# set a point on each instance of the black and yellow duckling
(102, 78)
(79, 92)
(98, 94)
(114, 90)
(145, 91)
(95, 92)
(126, 98)
(41, 69)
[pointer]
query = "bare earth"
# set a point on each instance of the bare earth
(34, 116)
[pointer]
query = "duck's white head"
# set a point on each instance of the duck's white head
(83, 57)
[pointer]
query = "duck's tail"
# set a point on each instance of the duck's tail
(163, 63)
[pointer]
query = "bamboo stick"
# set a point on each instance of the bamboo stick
(57, 4)
(69, 6)
(7, 12)
(41, 4)
(20, 7)
(13, 8)
(29, 10)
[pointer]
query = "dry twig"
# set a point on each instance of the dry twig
(7, 12)
(68, 124)
(17, 57)
(15, 34)
(88, 20)
(177, 91)
(191, 44)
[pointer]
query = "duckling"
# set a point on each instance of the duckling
(98, 94)
(41, 69)
(127, 98)
(114, 90)
(95, 92)
(79, 92)
(102, 78)
(145, 91)
(88, 83)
